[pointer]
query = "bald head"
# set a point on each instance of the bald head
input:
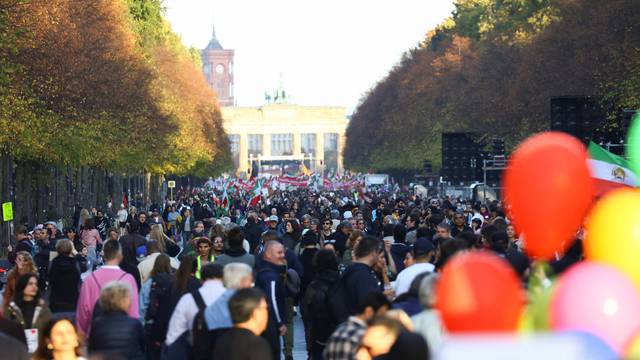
(274, 252)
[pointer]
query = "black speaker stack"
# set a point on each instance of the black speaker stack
(584, 118)
(463, 155)
(579, 116)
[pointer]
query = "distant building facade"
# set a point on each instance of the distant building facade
(217, 66)
(278, 134)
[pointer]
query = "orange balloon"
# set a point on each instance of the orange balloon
(479, 292)
(549, 187)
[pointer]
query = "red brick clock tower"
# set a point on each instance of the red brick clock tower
(217, 65)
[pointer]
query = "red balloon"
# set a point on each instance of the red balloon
(549, 187)
(479, 292)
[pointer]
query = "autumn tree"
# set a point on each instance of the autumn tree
(94, 84)
(491, 69)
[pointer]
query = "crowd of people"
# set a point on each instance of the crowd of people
(196, 279)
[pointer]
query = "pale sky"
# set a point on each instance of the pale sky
(326, 52)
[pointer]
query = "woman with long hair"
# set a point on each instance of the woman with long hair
(129, 261)
(27, 308)
(158, 235)
(58, 340)
(352, 242)
(84, 215)
(185, 280)
(91, 239)
(165, 244)
(71, 234)
(291, 236)
(162, 265)
(24, 265)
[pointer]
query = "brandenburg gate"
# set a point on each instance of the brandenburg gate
(280, 133)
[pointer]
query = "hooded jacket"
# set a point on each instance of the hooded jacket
(270, 279)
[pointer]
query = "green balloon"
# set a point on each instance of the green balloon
(537, 314)
(633, 144)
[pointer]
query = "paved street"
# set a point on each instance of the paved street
(299, 351)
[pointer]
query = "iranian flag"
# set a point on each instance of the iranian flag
(225, 200)
(609, 170)
(256, 193)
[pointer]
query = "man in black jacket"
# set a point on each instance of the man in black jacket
(460, 224)
(359, 278)
(249, 313)
(102, 224)
(252, 231)
(270, 279)
(143, 227)
(41, 256)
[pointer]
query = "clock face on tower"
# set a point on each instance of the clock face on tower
(219, 68)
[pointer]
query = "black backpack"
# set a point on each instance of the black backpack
(160, 289)
(316, 301)
(338, 300)
(97, 308)
(202, 346)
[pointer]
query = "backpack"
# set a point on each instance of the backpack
(202, 346)
(97, 308)
(339, 299)
(316, 302)
(158, 290)
(290, 281)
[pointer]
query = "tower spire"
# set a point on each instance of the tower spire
(213, 32)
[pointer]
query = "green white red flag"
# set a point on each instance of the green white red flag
(609, 170)
(256, 194)
(225, 200)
